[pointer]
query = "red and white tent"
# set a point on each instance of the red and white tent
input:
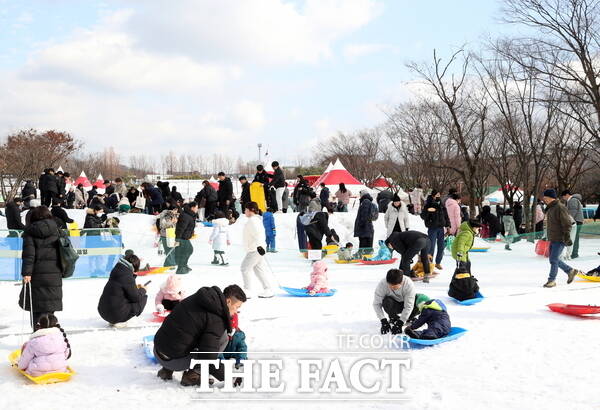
(100, 182)
(214, 183)
(83, 180)
(323, 175)
(338, 174)
(381, 183)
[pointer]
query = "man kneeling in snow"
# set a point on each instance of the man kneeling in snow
(201, 322)
(396, 296)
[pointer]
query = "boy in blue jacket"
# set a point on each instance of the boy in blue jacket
(435, 315)
(269, 224)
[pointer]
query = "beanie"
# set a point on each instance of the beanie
(550, 193)
(420, 299)
(396, 198)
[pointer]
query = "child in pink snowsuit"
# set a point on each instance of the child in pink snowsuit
(318, 279)
(170, 294)
(47, 350)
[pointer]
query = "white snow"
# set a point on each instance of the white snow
(517, 354)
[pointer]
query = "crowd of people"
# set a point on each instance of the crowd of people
(207, 320)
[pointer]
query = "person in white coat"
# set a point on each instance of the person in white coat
(396, 217)
(219, 238)
(254, 245)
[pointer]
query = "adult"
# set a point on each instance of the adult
(109, 187)
(28, 193)
(91, 195)
(184, 230)
(254, 245)
(225, 192)
(41, 267)
(396, 217)
(301, 194)
(156, 197)
(343, 197)
(539, 218)
(394, 295)
(48, 185)
(120, 187)
(575, 209)
(207, 198)
(13, 215)
(363, 224)
(453, 212)
(301, 233)
(518, 215)
(416, 199)
(95, 217)
(436, 221)
(60, 215)
(201, 322)
(245, 197)
(409, 244)
(315, 203)
(165, 191)
(384, 198)
(451, 192)
(558, 227)
(324, 194)
(263, 177)
(285, 199)
(319, 227)
(493, 224)
(121, 298)
(62, 184)
(278, 182)
(81, 197)
(70, 198)
(132, 195)
(176, 196)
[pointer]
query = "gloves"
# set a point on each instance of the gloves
(569, 242)
(385, 326)
(261, 251)
(397, 327)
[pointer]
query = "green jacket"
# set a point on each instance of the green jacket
(463, 242)
(558, 223)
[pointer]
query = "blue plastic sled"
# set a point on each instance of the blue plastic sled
(303, 293)
(455, 333)
(208, 224)
(469, 302)
(149, 348)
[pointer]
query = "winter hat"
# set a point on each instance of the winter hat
(363, 192)
(396, 198)
(550, 193)
(420, 300)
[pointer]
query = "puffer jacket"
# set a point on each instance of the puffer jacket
(463, 242)
(170, 290)
(399, 215)
(435, 315)
(318, 278)
(254, 234)
(454, 215)
(575, 208)
(363, 225)
(383, 254)
(220, 234)
(45, 352)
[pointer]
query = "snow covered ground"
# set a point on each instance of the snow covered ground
(517, 354)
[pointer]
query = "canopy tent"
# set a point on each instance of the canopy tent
(317, 182)
(382, 183)
(83, 180)
(60, 169)
(100, 182)
(213, 183)
(497, 197)
(339, 174)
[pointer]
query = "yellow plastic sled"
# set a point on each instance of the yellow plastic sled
(590, 278)
(331, 249)
(257, 194)
(73, 228)
(344, 262)
(57, 377)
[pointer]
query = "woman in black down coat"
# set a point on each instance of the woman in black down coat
(121, 298)
(41, 264)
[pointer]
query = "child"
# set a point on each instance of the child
(418, 270)
(170, 294)
(594, 272)
(219, 238)
(383, 254)
(464, 285)
(236, 347)
(318, 279)
(510, 229)
(269, 224)
(345, 253)
(47, 350)
(434, 314)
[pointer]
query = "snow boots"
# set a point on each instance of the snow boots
(165, 374)
(572, 275)
(190, 378)
(550, 284)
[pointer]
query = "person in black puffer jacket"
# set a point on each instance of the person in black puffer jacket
(409, 244)
(13, 216)
(363, 225)
(94, 219)
(60, 215)
(436, 221)
(121, 298)
(41, 264)
(225, 192)
(384, 198)
(491, 220)
(184, 230)
(201, 323)
(318, 227)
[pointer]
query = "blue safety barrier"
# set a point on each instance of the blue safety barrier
(99, 251)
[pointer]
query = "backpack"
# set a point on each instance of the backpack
(374, 212)
(307, 218)
(68, 255)
(463, 285)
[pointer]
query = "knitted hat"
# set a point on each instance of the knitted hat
(420, 300)
(550, 193)
(396, 198)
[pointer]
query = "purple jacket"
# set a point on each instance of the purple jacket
(45, 352)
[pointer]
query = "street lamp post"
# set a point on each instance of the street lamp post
(259, 147)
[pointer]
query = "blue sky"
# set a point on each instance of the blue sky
(208, 76)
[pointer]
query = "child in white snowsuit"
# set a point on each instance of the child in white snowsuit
(510, 229)
(345, 253)
(219, 238)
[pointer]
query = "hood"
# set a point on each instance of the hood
(319, 267)
(466, 227)
(48, 341)
(434, 304)
(45, 228)
(578, 196)
(212, 300)
(220, 222)
(172, 284)
(486, 210)
(122, 261)
(366, 196)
